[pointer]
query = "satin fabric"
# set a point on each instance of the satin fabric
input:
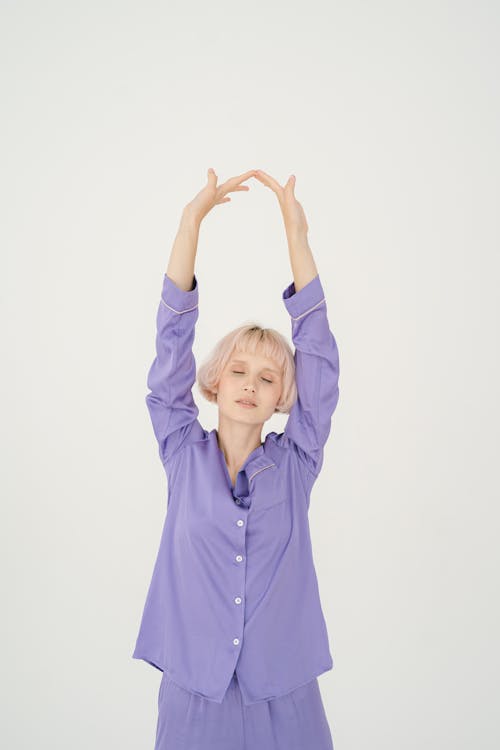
(234, 585)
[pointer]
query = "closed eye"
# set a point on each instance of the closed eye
(237, 372)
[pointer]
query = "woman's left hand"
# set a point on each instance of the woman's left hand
(292, 211)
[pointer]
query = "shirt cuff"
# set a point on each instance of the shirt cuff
(306, 299)
(177, 299)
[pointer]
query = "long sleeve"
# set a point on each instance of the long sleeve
(316, 373)
(171, 377)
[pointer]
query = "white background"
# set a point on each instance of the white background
(388, 115)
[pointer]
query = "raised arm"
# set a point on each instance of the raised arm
(316, 354)
(171, 377)
(173, 412)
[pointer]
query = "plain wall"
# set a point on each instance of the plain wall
(388, 115)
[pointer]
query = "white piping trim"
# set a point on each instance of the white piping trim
(308, 311)
(258, 470)
(178, 311)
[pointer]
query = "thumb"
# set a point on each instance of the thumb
(212, 177)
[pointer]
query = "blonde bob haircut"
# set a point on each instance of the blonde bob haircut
(250, 339)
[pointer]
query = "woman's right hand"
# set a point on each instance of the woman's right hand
(212, 194)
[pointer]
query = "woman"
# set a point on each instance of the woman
(233, 616)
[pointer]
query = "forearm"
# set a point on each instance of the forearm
(183, 254)
(301, 258)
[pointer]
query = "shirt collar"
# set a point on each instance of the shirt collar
(264, 457)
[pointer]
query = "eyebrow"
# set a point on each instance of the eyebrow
(242, 362)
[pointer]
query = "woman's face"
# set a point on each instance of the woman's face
(249, 377)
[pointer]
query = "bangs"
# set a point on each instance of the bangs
(256, 341)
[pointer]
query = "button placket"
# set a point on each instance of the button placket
(239, 558)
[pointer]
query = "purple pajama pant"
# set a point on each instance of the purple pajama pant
(186, 721)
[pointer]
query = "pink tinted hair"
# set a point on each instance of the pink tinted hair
(251, 338)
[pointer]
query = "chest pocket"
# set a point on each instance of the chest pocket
(269, 491)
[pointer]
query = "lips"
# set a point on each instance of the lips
(248, 404)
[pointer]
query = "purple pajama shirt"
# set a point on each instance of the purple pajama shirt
(233, 616)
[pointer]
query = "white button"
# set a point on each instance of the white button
(236, 641)
(237, 600)
(238, 501)
(239, 522)
(239, 558)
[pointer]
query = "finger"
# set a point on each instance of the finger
(240, 178)
(212, 177)
(268, 180)
(246, 175)
(224, 189)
